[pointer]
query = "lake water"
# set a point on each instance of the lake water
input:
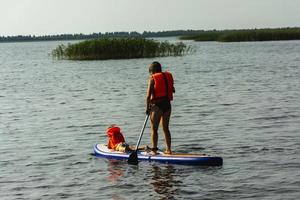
(240, 101)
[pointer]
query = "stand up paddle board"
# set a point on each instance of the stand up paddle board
(101, 150)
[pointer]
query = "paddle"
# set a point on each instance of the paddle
(133, 157)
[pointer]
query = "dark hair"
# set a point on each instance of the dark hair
(155, 67)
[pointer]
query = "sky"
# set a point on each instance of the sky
(48, 17)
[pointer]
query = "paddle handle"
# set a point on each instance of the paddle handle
(141, 134)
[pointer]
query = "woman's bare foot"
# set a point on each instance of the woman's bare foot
(169, 152)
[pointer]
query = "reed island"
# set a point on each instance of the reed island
(118, 48)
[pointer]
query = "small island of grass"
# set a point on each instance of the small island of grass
(118, 48)
(246, 35)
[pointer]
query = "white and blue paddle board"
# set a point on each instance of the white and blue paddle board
(101, 150)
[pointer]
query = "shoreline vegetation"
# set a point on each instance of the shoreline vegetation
(118, 48)
(238, 35)
(134, 34)
(247, 35)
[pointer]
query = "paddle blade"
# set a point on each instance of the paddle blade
(133, 158)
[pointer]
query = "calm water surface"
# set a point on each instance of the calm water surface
(240, 101)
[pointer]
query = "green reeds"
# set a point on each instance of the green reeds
(246, 35)
(118, 48)
(203, 36)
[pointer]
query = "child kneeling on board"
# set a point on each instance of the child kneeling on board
(116, 139)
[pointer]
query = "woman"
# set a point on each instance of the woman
(158, 104)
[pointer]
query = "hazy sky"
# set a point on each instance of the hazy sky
(43, 17)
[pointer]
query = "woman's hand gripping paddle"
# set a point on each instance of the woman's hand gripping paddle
(133, 157)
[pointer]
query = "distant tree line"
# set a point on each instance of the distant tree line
(197, 35)
(145, 34)
(245, 35)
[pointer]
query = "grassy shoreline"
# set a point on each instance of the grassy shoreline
(246, 35)
(118, 48)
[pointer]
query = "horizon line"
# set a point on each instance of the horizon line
(141, 32)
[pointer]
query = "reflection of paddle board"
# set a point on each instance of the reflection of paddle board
(101, 150)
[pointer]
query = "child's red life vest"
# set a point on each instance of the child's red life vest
(163, 86)
(114, 137)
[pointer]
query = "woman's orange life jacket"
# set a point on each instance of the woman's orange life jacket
(114, 137)
(163, 86)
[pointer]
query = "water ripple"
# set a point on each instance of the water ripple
(236, 100)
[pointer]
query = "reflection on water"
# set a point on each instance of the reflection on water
(163, 181)
(115, 171)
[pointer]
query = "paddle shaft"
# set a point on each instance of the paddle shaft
(133, 157)
(141, 134)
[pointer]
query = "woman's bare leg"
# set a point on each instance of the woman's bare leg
(155, 117)
(165, 119)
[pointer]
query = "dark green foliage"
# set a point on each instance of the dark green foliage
(198, 35)
(261, 35)
(203, 36)
(118, 48)
(145, 34)
(246, 35)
